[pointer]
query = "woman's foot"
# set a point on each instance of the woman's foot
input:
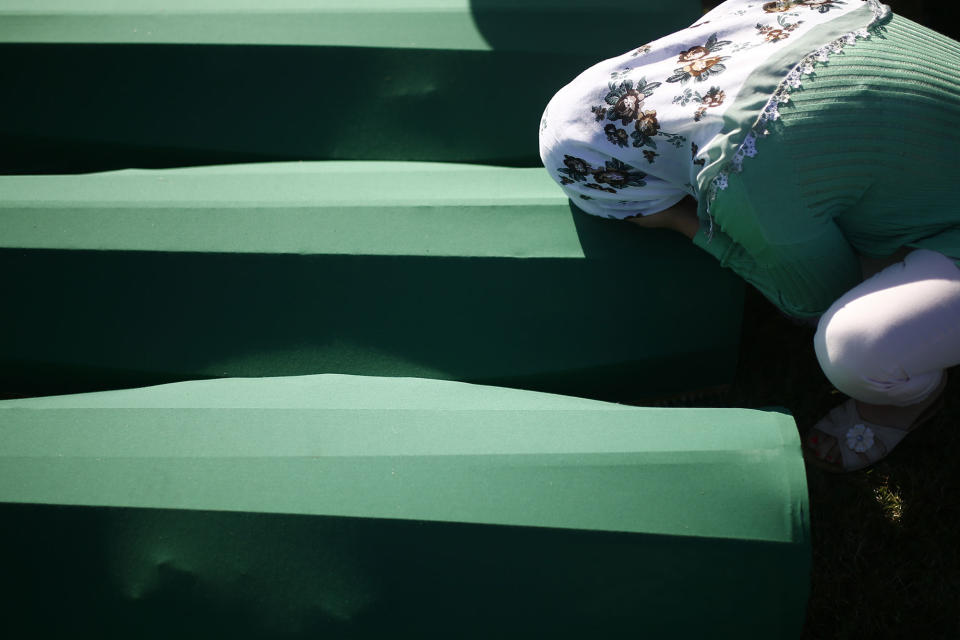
(853, 420)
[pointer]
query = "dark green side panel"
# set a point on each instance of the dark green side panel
(482, 274)
(96, 85)
(140, 573)
(361, 507)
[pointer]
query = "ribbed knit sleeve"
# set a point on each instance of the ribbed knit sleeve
(802, 278)
(861, 160)
(796, 256)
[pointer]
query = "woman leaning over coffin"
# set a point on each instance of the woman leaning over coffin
(792, 140)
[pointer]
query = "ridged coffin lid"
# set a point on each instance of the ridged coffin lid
(412, 449)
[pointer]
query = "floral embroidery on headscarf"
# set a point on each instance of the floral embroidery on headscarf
(713, 97)
(772, 34)
(619, 174)
(693, 155)
(617, 136)
(779, 6)
(575, 169)
(647, 126)
(641, 51)
(698, 63)
(615, 174)
(626, 99)
(822, 6)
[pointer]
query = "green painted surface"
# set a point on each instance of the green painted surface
(370, 447)
(457, 25)
(480, 274)
(371, 498)
(105, 85)
(334, 208)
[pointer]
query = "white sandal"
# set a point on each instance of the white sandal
(861, 443)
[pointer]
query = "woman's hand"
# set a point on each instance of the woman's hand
(681, 217)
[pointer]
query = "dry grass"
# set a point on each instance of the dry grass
(886, 559)
(886, 540)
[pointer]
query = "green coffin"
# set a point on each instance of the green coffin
(101, 84)
(361, 507)
(479, 274)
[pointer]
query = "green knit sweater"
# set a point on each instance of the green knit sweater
(861, 161)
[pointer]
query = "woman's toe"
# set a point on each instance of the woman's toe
(825, 444)
(832, 455)
(823, 447)
(815, 439)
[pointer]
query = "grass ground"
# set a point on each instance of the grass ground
(886, 551)
(886, 540)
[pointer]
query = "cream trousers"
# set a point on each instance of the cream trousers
(889, 339)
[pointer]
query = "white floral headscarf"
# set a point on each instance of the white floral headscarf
(634, 134)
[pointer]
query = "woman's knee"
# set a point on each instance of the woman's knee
(866, 364)
(846, 352)
(875, 342)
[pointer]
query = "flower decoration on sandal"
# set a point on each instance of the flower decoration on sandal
(859, 438)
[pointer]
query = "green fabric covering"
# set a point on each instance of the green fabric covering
(100, 85)
(358, 503)
(460, 272)
(860, 162)
(480, 25)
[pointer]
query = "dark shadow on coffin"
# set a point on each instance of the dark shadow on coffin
(86, 320)
(76, 108)
(121, 573)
